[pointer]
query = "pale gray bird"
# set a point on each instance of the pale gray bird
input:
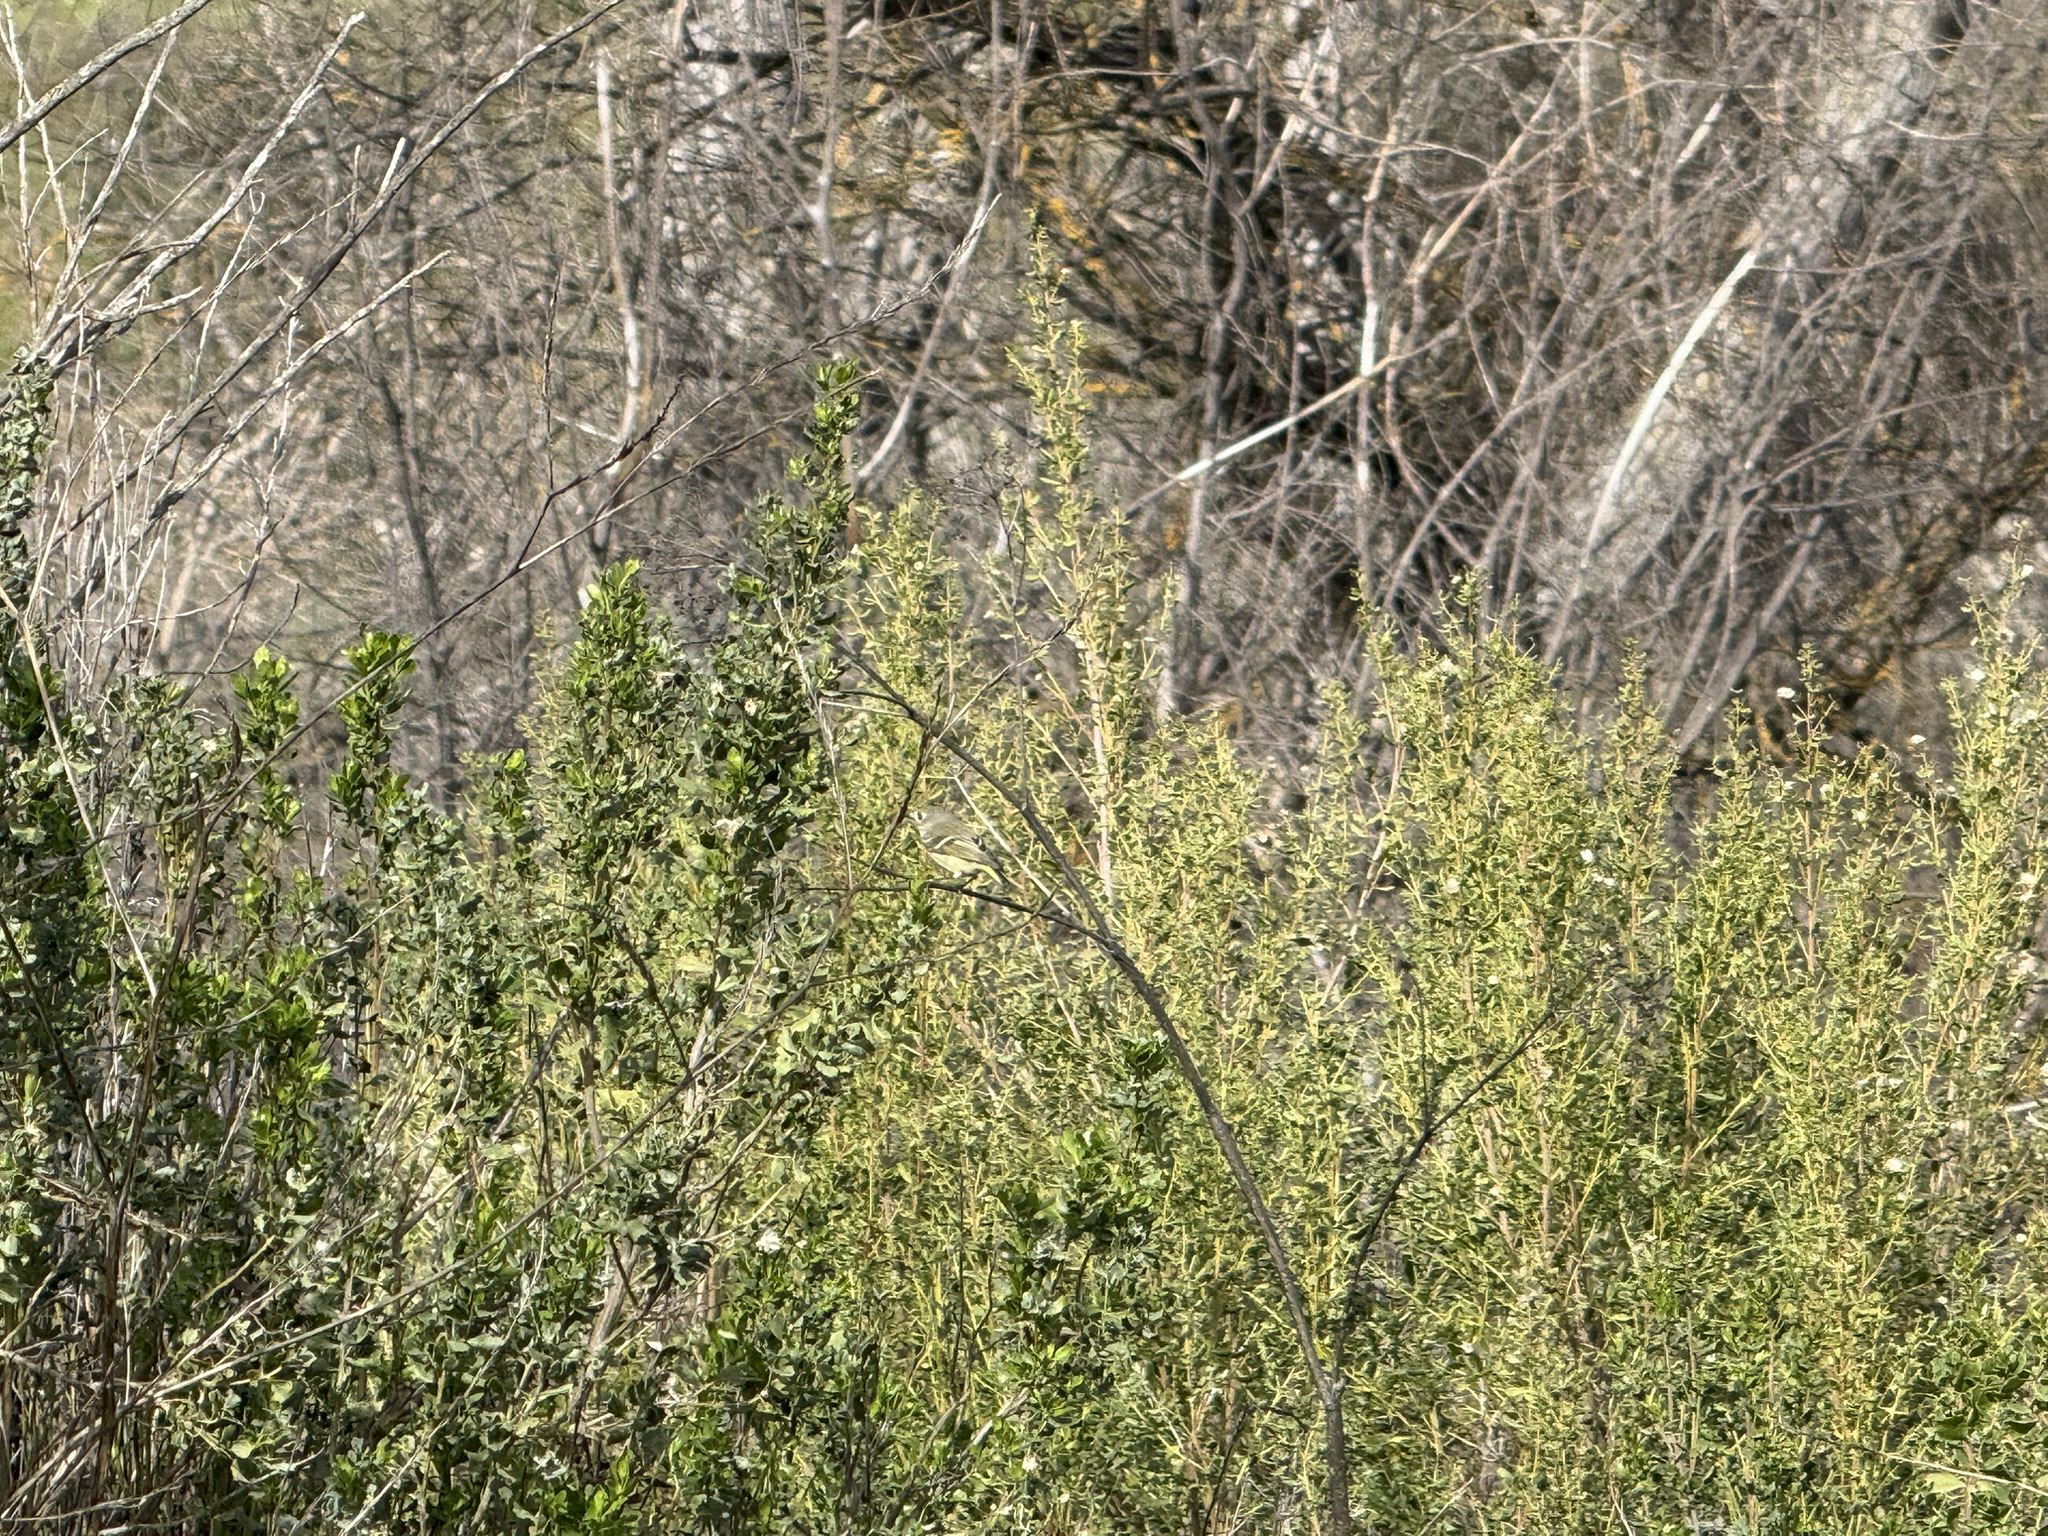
(950, 843)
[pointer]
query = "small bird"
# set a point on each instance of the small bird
(949, 843)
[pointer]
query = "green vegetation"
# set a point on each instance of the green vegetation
(656, 1142)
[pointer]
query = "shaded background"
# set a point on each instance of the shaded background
(1703, 330)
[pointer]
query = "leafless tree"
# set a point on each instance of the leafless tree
(1703, 327)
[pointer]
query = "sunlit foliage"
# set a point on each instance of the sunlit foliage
(655, 1141)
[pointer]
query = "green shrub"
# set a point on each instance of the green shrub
(357, 1167)
(657, 1142)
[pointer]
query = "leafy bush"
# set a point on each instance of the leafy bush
(356, 1165)
(657, 1143)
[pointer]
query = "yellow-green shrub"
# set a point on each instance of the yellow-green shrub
(660, 1143)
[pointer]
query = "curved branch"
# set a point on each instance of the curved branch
(1093, 927)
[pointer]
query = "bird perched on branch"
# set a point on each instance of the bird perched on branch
(950, 843)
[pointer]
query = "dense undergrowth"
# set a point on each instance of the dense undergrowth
(657, 1143)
